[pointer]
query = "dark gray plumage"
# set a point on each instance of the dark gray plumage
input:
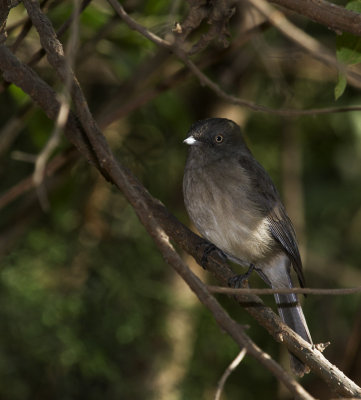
(235, 205)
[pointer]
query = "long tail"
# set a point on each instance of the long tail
(277, 275)
(292, 315)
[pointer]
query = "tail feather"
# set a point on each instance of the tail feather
(292, 315)
(277, 275)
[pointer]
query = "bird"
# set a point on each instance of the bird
(234, 204)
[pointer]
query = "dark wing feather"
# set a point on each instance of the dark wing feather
(266, 197)
(282, 230)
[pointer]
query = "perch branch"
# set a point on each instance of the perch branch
(220, 315)
(147, 207)
(107, 161)
(89, 140)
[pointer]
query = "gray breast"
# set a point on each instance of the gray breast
(217, 202)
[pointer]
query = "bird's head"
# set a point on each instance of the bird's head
(216, 136)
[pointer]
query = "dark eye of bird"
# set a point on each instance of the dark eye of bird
(219, 139)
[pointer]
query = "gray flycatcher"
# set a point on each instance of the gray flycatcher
(234, 204)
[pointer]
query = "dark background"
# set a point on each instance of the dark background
(88, 309)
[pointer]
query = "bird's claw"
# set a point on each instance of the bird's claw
(238, 281)
(209, 248)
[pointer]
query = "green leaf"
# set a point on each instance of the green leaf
(354, 6)
(348, 45)
(340, 86)
(348, 50)
(17, 94)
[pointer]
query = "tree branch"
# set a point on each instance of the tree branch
(219, 314)
(330, 292)
(54, 140)
(4, 12)
(149, 209)
(59, 162)
(154, 216)
(232, 366)
(331, 15)
(23, 76)
(312, 46)
(303, 40)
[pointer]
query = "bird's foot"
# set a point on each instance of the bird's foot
(238, 281)
(209, 248)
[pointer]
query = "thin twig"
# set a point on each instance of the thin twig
(329, 14)
(56, 58)
(204, 80)
(23, 157)
(45, 154)
(303, 40)
(148, 209)
(36, 57)
(27, 184)
(4, 12)
(59, 33)
(266, 291)
(219, 314)
(232, 366)
(10, 130)
(25, 29)
(108, 164)
(152, 213)
(55, 137)
(139, 28)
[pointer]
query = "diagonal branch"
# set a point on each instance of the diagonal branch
(223, 319)
(150, 211)
(332, 16)
(60, 32)
(4, 12)
(234, 364)
(53, 141)
(23, 76)
(59, 162)
(312, 45)
(303, 40)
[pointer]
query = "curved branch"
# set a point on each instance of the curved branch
(59, 162)
(303, 40)
(150, 209)
(311, 45)
(151, 212)
(219, 314)
(330, 15)
(231, 367)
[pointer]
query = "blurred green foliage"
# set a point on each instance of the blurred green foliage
(348, 50)
(87, 305)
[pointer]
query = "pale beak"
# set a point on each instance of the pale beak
(190, 140)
